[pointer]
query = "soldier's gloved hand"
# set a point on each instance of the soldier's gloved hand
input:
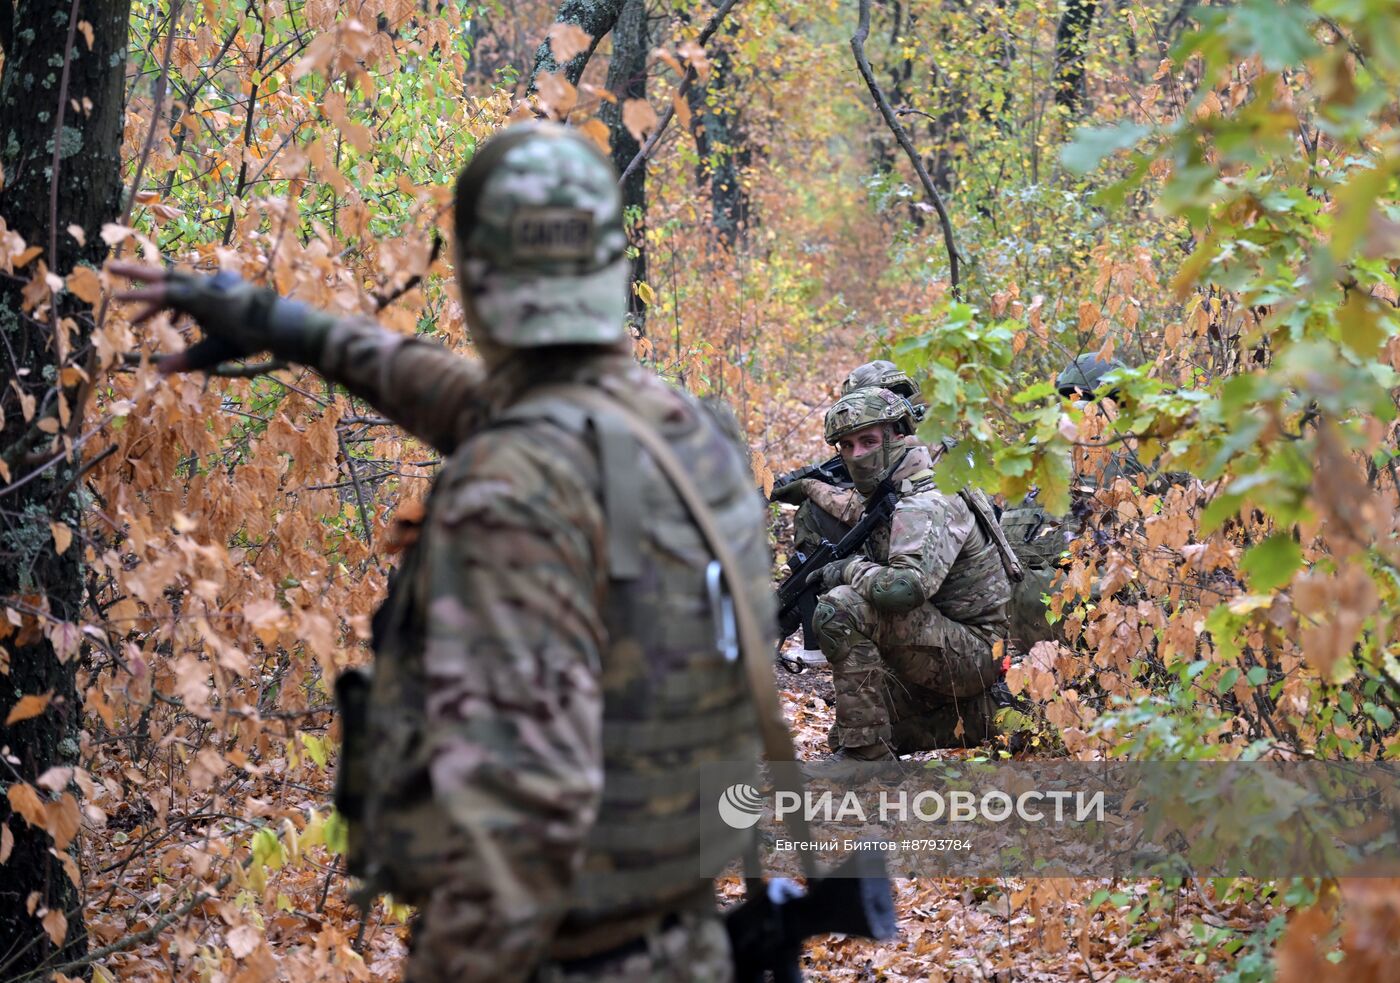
(794, 492)
(238, 318)
(833, 573)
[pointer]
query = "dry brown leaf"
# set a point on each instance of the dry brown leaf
(56, 926)
(672, 62)
(243, 940)
(597, 131)
(25, 801)
(7, 842)
(695, 57)
(62, 819)
(639, 118)
(28, 706)
(555, 96)
(568, 40)
(76, 231)
(62, 536)
(682, 108)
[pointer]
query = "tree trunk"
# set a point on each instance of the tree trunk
(596, 18)
(720, 145)
(1071, 45)
(38, 92)
(627, 79)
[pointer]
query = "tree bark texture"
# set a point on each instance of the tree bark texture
(56, 92)
(1071, 47)
(627, 79)
(594, 17)
(720, 145)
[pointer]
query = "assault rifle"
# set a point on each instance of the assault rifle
(766, 931)
(832, 472)
(797, 597)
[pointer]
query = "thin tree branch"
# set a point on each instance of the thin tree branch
(382, 301)
(58, 145)
(681, 90)
(892, 121)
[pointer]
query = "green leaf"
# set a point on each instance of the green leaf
(1277, 33)
(1257, 676)
(1092, 144)
(1272, 563)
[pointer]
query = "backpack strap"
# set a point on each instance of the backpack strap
(982, 511)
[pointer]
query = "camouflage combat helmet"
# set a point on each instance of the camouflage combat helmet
(866, 407)
(1085, 374)
(885, 375)
(540, 241)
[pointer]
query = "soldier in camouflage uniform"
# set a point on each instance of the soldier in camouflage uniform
(1039, 537)
(909, 626)
(826, 511)
(547, 680)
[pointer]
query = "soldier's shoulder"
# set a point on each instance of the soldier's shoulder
(529, 466)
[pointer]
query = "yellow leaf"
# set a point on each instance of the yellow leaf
(645, 292)
(28, 706)
(62, 536)
(639, 118)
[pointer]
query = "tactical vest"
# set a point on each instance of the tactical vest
(673, 702)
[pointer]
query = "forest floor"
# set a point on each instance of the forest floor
(998, 929)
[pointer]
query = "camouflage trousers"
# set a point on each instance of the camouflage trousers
(811, 525)
(696, 948)
(913, 681)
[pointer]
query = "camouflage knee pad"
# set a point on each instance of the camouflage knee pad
(843, 620)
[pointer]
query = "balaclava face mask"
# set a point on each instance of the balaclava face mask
(869, 469)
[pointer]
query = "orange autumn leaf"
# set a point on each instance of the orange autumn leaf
(28, 706)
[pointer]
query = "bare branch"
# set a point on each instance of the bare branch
(892, 121)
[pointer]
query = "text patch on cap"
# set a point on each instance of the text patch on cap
(552, 233)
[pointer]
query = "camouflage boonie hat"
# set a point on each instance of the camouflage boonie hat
(1085, 374)
(540, 236)
(866, 407)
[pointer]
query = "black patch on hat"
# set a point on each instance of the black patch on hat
(552, 233)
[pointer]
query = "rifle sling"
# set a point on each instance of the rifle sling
(777, 742)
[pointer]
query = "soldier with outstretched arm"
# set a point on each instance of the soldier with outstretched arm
(547, 677)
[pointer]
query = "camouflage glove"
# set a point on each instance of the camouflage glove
(793, 492)
(240, 319)
(834, 573)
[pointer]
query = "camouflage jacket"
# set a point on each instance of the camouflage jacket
(937, 539)
(501, 640)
